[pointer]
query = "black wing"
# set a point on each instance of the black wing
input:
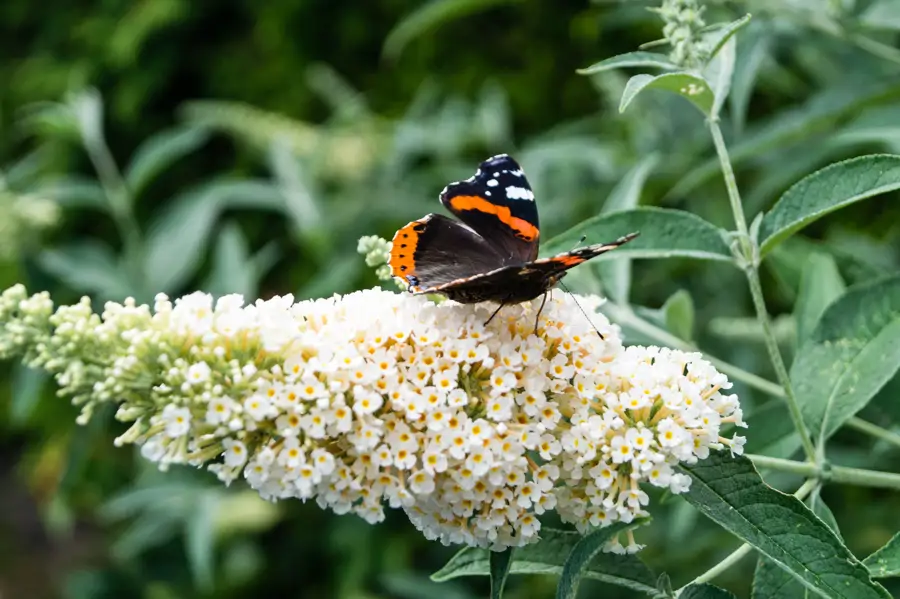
(518, 283)
(436, 250)
(497, 202)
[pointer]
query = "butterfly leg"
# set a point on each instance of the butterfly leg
(500, 307)
(541, 309)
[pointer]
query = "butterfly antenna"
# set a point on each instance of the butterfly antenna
(567, 290)
(500, 307)
(579, 242)
(541, 309)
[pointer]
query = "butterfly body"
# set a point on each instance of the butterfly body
(490, 253)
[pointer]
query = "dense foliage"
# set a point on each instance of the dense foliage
(236, 147)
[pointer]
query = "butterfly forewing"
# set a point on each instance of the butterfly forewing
(435, 250)
(498, 203)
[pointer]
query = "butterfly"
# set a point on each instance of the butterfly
(490, 253)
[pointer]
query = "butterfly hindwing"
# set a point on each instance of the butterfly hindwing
(436, 250)
(498, 203)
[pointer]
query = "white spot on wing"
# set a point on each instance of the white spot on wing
(492, 183)
(487, 193)
(517, 173)
(519, 193)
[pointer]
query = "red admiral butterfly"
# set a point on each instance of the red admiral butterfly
(492, 254)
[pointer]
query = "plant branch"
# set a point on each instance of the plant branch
(873, 430)
(836, 474)
(750, 254)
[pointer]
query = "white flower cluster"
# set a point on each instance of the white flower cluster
(377, 398)
(25, 216)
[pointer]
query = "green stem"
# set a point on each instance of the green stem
(733, 558)
(874, 431)
(119, 198)
(751, 267)
(836, 474)
(790, 466)
(736, 555)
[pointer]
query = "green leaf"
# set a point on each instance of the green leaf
(664, 233)
(158, 152)
(752, 48)
(500, 562)
(548, 556)
(27, 384)
(582, 554)
(300, 204)
(819, 114)
(772, 582)
(89, 267)
(631, 59)
(730, 492)
(825, 191)
(720, 72)
(200, 540)
(773, 432)
(616, 274)
(678, 312)
(705, 591)
(74, 192)
(664, 583)
(820, 284)
(723, 35)
(885, 563)
(824, 513)
(882, 14)
(851, 354)
(232, 270)
(176, 240)
(428, 17)
(687, 85)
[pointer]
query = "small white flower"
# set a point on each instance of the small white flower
(177, 420)
(235, 452)
(198, 373)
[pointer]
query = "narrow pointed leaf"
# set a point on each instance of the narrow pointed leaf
(827, 190)
(429, 16)
(160, 151)
(850, 356)
(616, 274)
(724, 34)
(689, 86)
(820, 284)
(678, 312)
(664, 233)
(500, 563)
(705, 591)
(820, 509)
(752, 48)
(631, 59)
(885, 563)
(772, 582)
(547, 556)
(582, 555)
(730, 492)
(719, 72)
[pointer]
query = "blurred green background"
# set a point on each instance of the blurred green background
(237, 146)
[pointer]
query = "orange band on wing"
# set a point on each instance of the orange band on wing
(522, 227)
(569, 260)
(403, 250)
